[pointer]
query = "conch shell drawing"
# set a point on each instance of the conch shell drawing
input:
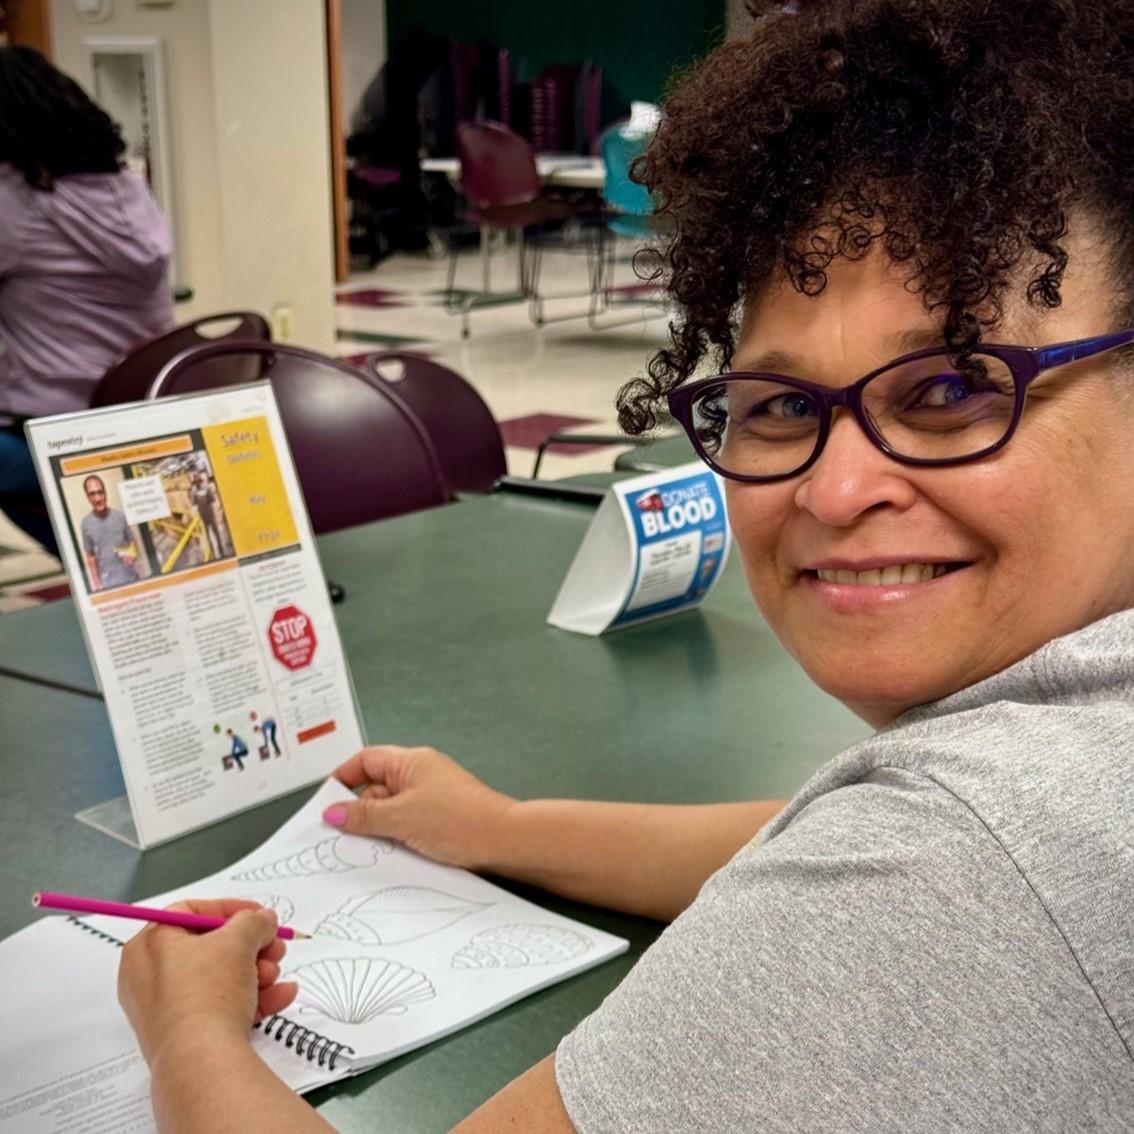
(331, 856)
(396, 914)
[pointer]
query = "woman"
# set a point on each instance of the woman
(937, 932)
(84, 262)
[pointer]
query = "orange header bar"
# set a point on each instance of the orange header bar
(160, 581)
(108, 458)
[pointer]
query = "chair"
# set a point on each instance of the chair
(461, 425)
(129, 379)
(629, 214)
(500, 180)
(377, 207)
(360, 452)
(626, 462)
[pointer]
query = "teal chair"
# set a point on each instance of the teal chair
(629, 214)
(629, 203)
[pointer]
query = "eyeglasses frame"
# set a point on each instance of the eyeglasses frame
(1024, 363)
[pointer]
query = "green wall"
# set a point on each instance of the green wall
(639, 43)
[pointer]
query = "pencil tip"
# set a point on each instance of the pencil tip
(302, 936)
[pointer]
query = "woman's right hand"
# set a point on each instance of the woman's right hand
(424, 799)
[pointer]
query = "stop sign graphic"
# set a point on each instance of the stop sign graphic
(292, 637)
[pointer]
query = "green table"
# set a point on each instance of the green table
(444, 629)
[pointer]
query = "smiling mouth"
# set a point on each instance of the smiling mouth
(893, 575)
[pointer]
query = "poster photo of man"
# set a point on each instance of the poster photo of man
(110, 548)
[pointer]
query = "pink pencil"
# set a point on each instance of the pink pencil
(74, 904)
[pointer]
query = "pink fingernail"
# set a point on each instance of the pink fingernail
(335, 815)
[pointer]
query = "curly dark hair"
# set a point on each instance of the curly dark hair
(49, 128)
(957, 135)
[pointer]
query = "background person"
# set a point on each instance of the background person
(203, 497)
(937, 932)
(110, 544)
(84, 262)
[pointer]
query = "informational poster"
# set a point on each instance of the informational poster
(656, 546)
(205, 611)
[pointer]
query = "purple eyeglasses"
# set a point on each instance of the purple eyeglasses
(931, 407)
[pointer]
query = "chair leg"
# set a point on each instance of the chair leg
(604, 298)
(597, 266)
(465, 304)
(453, 304)
(485, 261)
(538, 459)
(530, 276)
(451, 280)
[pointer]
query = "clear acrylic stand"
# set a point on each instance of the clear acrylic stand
(113, 818)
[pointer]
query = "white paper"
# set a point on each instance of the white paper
(202, 602)
(404, 951)
(437, 947)
(68, 1060)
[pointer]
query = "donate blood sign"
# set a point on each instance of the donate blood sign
(292, 637)
(680, 534)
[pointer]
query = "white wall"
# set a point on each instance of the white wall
(363, 50)
(250, 149)
(273, 160)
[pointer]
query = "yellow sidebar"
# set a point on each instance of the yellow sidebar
(250, 486)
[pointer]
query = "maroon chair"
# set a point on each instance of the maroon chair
(360, 452)
(500, 180)
(129, 379)
(461, 425)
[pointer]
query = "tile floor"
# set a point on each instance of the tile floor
(535, 380)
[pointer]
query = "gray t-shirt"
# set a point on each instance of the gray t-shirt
(937, 933)
(102, 537)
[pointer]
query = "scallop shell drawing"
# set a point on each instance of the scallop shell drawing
(396, 914)
(516, 946)
(284, 908)
(331, 856)
(355, 990)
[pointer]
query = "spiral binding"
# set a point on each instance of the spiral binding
(95, 932)
(320, 1049)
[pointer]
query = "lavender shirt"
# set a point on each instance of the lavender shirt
(83, 277)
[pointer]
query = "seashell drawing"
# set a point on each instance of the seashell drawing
(331, 856)
(355, 990)
(516, 946)
(285, 909)
(397, 914)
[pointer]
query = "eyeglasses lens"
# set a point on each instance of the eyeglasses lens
(756, 427)
(933, 408)
(942, 407)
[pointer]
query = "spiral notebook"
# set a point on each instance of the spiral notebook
(403, 951)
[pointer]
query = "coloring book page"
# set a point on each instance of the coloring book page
(403, 950)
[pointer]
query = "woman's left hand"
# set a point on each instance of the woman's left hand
(175, 984)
